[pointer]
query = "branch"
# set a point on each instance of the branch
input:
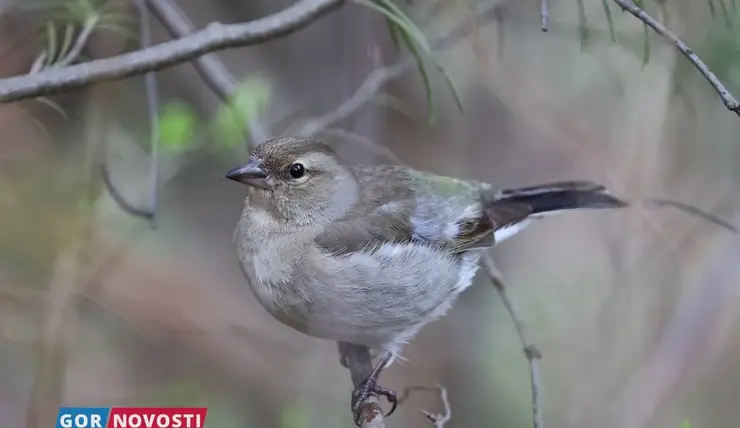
(214, 37)
(213, 72)
(122, 203)
(544, 15)
(359, 362)
(727, 98)
(367, 90)
(530, 351)
(440, 419)
(152, 101)
(381, 76)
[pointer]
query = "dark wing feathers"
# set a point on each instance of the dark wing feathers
(474, 234)
(564, 195)
(389, 197)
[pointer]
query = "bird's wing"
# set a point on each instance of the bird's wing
(400, 205)
(362, 232)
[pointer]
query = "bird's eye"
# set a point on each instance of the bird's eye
(297, 170)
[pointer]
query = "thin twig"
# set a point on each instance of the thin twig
(367, 90)
(693, 211)
(379, 77)
(530, 351)
(38, 63)
(729, 101)
(152, 101)
(122, 203)
(364, 141)
(213, 72)
(80, 43)
(214, 37)
(438, 419)
(544, 15)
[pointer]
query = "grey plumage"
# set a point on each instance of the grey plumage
(370, 254)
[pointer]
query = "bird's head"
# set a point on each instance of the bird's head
(297, 180)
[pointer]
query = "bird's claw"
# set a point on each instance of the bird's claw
(365, 390)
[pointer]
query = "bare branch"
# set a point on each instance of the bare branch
(359, 362)
(152, 101)
(544, 15)
(727, 98)
(214, 37)
(693, 211)
(122, 203)
(213, 72)
(367, 90)
(438, 419)
(381, 76)
(364, 141)
(530, 351)
(38, 63)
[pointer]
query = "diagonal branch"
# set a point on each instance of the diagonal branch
(544, 16)
(730, 102)
(214, 37)
(367, 90)
(438, 419)
(152, 103)
(214, 73)
(530, 351)
(379, 77)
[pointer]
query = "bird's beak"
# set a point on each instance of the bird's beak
(250, 174)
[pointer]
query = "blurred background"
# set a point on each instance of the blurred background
(635, 311)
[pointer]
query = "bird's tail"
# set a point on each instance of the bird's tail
(560, 196)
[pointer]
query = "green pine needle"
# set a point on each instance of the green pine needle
(646, 46)
(646, 36)
(51, 43)
(726, 15)
(582, 25)
(393, 31)
(424, 76)
(54, 106)
(402, 29)
(450, 85)
(407, 26)
(69, 31)
(610, 22)
(418, 35)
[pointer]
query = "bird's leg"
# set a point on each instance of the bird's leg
(343, 350)
(370, 386)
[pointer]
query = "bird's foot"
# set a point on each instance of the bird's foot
(365, 390)
(343, 361)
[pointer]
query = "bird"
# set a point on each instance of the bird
(370, 254)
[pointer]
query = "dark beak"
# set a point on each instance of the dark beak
(250, 174)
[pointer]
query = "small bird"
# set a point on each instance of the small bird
(368, 255)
